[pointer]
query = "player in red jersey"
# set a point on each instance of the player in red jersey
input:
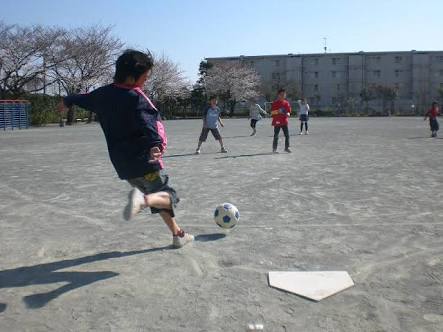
(280, 112)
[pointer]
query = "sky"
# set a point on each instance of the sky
(187, 31)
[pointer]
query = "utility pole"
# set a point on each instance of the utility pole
(325, 43)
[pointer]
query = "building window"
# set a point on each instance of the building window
(334, 100)
(338, 87)
(398, 59)
(316, 74)
(335, 61)
(315, 87)
(440, 58)
(333, 74)
(376, 73)
(315, 61)
(376, 59)
(277, 63)
(275, 76)
(397, 73)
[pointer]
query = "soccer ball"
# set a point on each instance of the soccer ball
(226, 215)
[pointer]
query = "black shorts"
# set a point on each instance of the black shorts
(304, 117)
(253, 123)
(205, 131)
(153, 183)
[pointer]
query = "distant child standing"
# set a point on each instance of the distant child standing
(304, 115)
(211, 120)
(255, 114)
(280, 112)
(136, 139)
(432, 113)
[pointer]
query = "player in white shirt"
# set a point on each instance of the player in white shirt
(303, 115)
(255, 114)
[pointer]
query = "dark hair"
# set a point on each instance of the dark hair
(132, 64)
(434, 104)
(280, 91)
(212, 97)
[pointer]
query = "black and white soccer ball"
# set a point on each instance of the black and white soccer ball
(226, 215)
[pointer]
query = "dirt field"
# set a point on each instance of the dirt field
(360, 195)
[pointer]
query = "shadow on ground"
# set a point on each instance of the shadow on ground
(425, 137)
(246, 155)
(47, 274)
(187, 155)
(209, 237)
(232, 137)
(179, 155)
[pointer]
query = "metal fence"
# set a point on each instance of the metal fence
(14, 114)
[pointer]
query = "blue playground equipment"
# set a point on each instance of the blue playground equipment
(14, 114)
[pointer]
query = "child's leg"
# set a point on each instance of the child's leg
(179, 237)
(286, 132)
(306, 125)
(253, 125)
(275, 141)
(301, 126)
(217, 136)
(170, 222)
(202, 138)
(160, 200)
(222, 146)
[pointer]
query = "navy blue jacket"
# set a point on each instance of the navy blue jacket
(131, 124)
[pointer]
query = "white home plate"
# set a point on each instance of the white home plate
(312, 285)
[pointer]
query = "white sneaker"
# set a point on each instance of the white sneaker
(223, 150)
(136, 203)
(307, 132)
(197, 151)
(301, 133)
(182, 239)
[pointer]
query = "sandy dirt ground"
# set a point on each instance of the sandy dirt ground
(360, 195)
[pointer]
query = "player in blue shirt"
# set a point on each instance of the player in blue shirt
(211, 120)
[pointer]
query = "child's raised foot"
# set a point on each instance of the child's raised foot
(136, 203)
(223, 150)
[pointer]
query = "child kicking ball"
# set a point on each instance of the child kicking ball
(136, 139)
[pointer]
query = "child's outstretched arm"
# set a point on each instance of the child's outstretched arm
(261, 110)
(85, 101)
(221, 122)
